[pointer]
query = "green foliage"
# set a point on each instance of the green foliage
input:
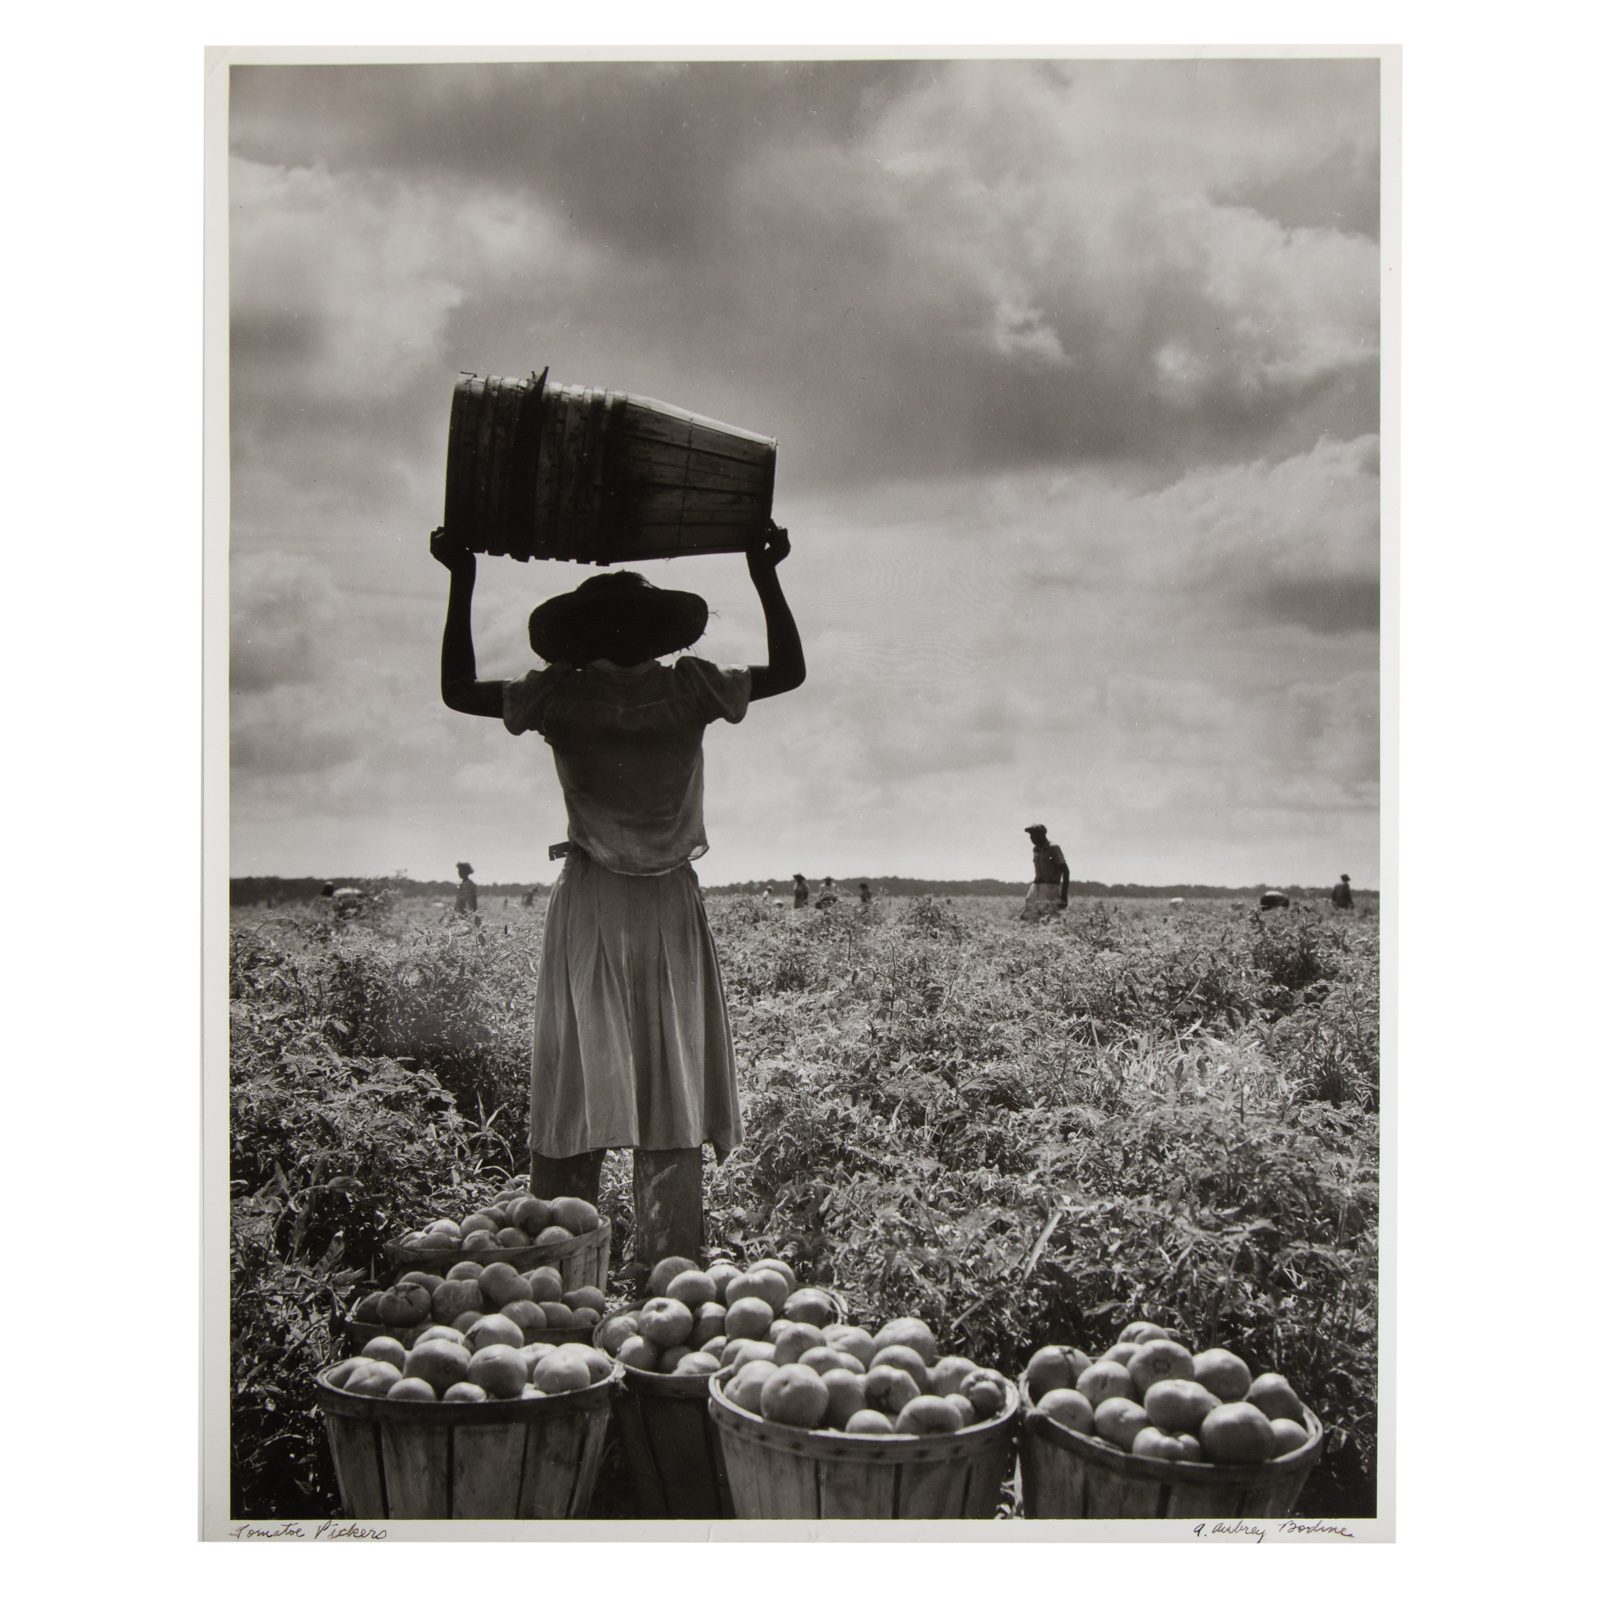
(1024, 1133)
(454, 998)
(333, 1151)
(1038, 1134)
(1293, 949)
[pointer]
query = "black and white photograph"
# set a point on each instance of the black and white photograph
(808, 648)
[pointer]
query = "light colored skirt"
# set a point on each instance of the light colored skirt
(631, 1044)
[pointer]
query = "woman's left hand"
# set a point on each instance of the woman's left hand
(770, 548)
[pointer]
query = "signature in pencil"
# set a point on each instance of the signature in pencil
(1256, 1532)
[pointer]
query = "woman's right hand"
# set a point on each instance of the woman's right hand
(786, 661)
(450, 552)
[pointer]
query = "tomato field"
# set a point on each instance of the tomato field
(1021, 1132)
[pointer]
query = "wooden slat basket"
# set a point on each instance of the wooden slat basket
(1067, 1474)
(673, 1447)
(567, 473)
(358, 1333)
(674, 1450)
(584, 1260)
(776, 1471)
(407, 1459)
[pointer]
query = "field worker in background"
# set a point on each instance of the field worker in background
(631, 1044)
(1052, 880)
(347, 901)
(466, 890)
(1341, 892)
(829, 895)
(802, 890)
(866, 893)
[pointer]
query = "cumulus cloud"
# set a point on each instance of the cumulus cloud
(283, 609)
(896, 267)
(1073, 367)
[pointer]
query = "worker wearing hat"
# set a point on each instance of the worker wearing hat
(466, 890)
(1052, 879)
(631, 1042)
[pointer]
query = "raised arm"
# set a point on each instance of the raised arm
(459, 683)
(786, 662)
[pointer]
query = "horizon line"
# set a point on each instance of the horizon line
(782, 883)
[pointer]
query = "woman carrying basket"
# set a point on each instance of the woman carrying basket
(631, 1044)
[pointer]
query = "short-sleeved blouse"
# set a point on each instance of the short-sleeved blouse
(627, 747)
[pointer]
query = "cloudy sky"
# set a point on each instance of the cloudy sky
(1074, 372)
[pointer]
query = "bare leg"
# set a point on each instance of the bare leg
(668, 1207)
(550, 1177)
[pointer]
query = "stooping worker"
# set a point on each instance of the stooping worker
(631, 1043)
(1052, 879)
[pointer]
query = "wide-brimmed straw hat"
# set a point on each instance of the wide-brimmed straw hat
(616, 616)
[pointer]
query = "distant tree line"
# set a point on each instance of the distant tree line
(994, 886)
(269, 891)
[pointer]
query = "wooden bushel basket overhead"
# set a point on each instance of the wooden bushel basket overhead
(553, 471)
